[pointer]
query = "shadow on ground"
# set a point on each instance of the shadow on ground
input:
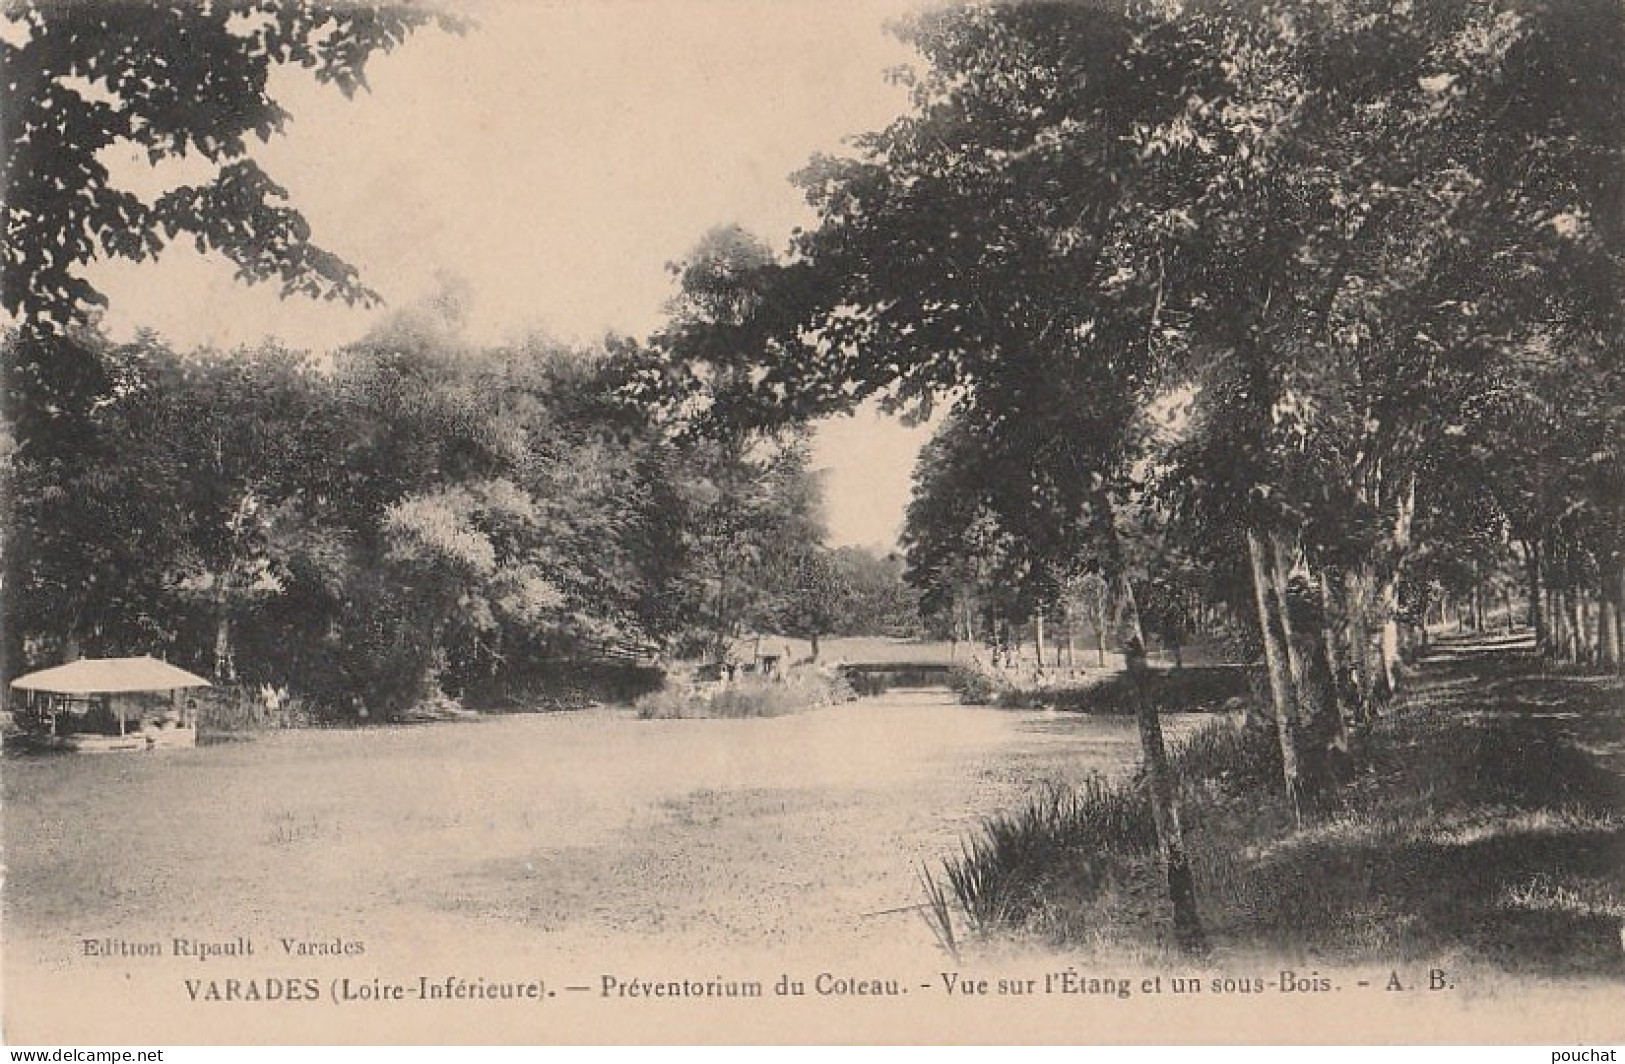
(1490, 825)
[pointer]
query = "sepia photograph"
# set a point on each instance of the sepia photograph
(813, 522)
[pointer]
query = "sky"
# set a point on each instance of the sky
(553, 161)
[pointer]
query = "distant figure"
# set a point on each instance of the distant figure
(168, 720)
(272, 698)
(1134, 658)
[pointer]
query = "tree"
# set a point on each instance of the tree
(806, 595)
(172, 79)
(1311, 223)
(973, 250)
(247, 433)
(529, 514)
(875, 598)
(94, 526)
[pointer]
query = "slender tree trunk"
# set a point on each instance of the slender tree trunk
(1275, 660)
(1607, 630)
(1535, 597)
(1580, 603)
(1176, 633)
(1160, 783)
(1617, 586)
(1162, 792)
(1100, 631)
(1478, 599)
(721, 625)
(1038, 637)
(1357, 603)
(1554, 621)
(1388, 604)
(1571, 636)
(1334, 663)
(1305, 703)
(1404, 518)
(1506, 605)
(225, 660)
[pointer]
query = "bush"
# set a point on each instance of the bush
(751, 697)
(976, 687)
(234, 710)
(1193, 689)
(550, 687)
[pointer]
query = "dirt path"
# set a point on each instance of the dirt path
(1482, 830)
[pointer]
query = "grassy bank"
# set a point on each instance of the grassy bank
(1485, 822)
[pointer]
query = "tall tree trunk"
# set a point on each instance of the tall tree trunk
(1275, 660)
(1579, 603)
(1506, 605)
(1534, 596)
(1571, 631)
(1038, 636)
(1334, 660)
(1160, 784)
(1176, 635)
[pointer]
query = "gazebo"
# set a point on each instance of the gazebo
(87, 704)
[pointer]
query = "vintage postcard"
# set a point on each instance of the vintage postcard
(762, 521)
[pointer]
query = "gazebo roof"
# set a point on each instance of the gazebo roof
(104, 676)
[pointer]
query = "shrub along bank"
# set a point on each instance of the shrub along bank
(1194, 689)
(751, 696)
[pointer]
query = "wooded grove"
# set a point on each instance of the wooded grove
(1301, 317)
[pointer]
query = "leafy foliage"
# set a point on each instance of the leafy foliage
(174, 80)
